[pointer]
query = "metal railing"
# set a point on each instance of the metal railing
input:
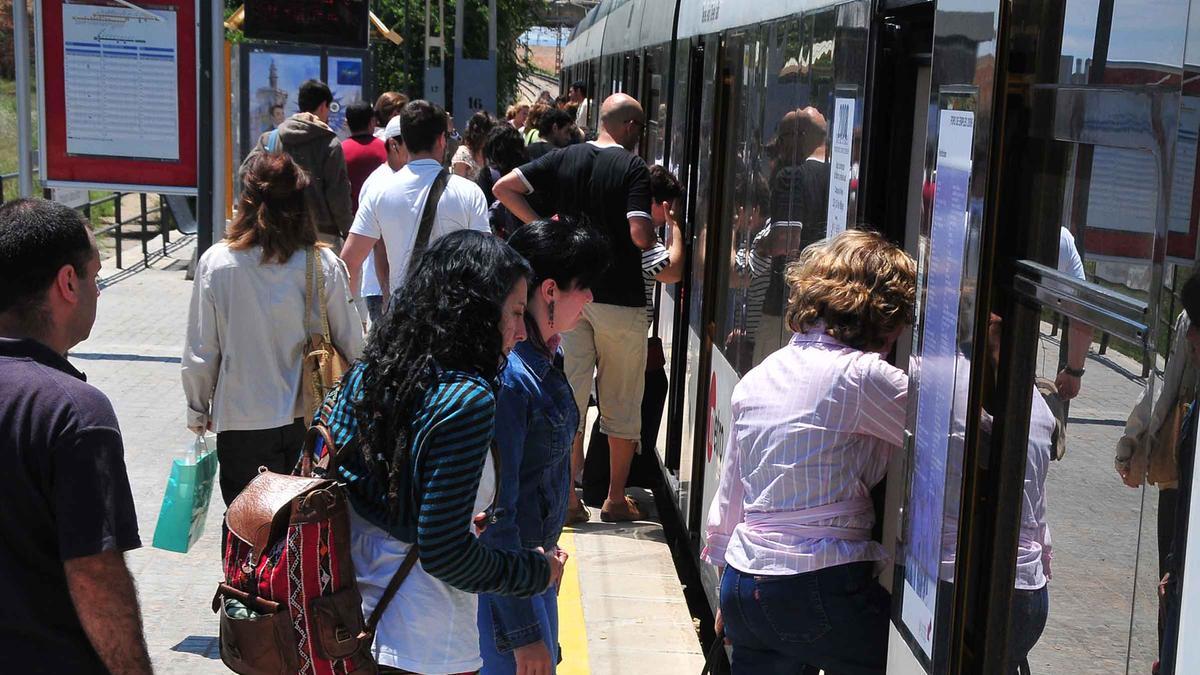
(140, 217)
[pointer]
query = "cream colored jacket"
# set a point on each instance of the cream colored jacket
(246, 334)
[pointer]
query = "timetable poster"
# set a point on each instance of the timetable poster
(939, 366)
(120, 76)
(841, 165)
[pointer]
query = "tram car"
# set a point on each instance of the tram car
(1038, 160)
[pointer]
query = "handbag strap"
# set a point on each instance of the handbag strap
(389, 593)
(322, 304)
(427, 216)
(309, 262)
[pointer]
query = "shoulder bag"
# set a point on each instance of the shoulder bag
(323, 363)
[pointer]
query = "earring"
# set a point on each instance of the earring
(551, 313)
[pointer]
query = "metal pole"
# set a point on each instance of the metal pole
(205, 207)
(21, 63)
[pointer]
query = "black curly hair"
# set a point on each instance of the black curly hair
(446, 316)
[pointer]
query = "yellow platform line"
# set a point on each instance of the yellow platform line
(572, 632)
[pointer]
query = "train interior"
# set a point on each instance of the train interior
(992, 140)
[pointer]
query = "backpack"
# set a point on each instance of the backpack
(290, 601)
(1058, 439)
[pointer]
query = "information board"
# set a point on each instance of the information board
(939, 361)
(840, 165)
(326, 23)
(118, 94)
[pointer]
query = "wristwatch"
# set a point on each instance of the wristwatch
(1074, 372)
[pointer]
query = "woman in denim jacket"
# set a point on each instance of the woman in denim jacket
(536, 420)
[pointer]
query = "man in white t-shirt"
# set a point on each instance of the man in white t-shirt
(392, 211)
(375, 276)
(1079, 335)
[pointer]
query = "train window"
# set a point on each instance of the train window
(743, 131)
(655, 102)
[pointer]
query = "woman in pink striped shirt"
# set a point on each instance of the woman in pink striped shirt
(812, 429)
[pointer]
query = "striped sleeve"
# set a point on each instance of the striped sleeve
(654, 260)
(450, 465)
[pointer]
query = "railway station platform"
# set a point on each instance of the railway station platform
(622, 606)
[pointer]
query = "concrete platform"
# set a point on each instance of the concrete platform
(633, 618)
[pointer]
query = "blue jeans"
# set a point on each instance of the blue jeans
(1026, 623)
(374, 307)
(834, 619)
(495, 662)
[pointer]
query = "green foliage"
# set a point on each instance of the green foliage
(402, 68)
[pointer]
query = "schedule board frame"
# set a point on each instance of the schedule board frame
(61, 169)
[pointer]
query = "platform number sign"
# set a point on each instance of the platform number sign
(475, 103)
(710, 11)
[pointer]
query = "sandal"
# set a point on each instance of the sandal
(578, 516)
(616, 512)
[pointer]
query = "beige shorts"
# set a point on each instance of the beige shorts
(609, 342)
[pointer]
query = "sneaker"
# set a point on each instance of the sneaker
(616, 512)
(578, 516)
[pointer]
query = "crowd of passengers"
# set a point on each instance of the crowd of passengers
(533, 288)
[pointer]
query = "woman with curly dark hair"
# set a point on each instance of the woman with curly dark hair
(469, 159)
(811, 432)
(417, 417)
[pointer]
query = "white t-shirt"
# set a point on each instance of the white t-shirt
(378, 178)
(393, 212)
(429, 627)
(1069, 261)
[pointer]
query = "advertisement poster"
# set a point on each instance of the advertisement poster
(840, 165)
(274, 85)
(119, 75)
(939, 364)
(346, 83)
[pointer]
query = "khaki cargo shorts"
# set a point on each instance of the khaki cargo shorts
(609, 342)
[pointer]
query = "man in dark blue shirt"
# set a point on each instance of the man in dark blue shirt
(66, 511)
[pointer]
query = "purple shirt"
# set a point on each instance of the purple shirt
(813, 428)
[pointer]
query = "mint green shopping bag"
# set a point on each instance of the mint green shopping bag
(185, 504)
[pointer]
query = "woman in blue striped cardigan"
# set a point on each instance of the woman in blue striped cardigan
(418, 414)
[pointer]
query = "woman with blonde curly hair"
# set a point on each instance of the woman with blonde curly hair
(811, 432)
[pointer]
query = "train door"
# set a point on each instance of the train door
(684, 160)
(1051, 373)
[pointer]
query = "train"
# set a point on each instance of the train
(977, 134)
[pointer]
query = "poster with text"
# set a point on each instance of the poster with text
(117, 89)
(939, 368)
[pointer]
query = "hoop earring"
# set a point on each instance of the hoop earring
(551, 313)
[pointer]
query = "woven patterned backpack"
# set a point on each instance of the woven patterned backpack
(290, 601)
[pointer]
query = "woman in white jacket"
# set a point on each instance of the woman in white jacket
(246, 325)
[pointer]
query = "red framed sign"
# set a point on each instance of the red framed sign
(118, 94)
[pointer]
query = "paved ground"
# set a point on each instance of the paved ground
(1104, 574)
